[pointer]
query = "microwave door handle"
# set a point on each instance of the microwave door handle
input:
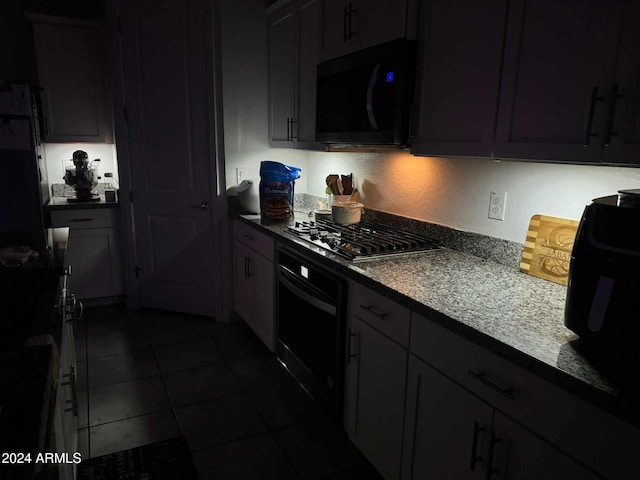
(370, 112)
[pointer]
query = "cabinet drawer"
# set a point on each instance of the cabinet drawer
(85, 218)
(561, 418)
(261, 243)
(381, 313)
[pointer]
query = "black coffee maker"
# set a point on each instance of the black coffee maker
(603, 293)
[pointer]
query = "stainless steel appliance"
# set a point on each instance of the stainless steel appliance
(82, 175)
(362, 241)
(603, 293)
(23, 183)
(364, 98)
(311, 323)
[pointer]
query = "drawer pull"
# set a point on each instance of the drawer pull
(477, 429)
(82, 219)
(373, 311)
(482, 378)
(248, 236)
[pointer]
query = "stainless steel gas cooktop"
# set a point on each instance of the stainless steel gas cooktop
(362, 241)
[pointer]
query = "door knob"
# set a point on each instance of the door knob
(204, 205)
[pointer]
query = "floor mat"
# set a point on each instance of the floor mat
(165, 460)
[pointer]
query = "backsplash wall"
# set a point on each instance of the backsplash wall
(455, 191)
(55, 153)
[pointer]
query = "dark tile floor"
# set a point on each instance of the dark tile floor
(147, 376)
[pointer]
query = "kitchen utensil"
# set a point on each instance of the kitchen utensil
(547, 249)
(347, 184)
(346, 213)
(332, 183)
(322, 214)
(355, 196)
(340, 188)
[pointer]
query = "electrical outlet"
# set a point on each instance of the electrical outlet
(241, 172)
(497, 205)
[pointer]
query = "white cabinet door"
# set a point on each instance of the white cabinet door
(95, 263)
(350, 25)
(262, 274)
(519, 454)
(66, 414)
(374, 396)
(293, 55)
(70, 57)
(447, 428)
(282, 35)
(243, 284)
(254, 285)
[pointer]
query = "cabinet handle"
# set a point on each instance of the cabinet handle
(79, 307)
(594, 98)
(292, 136)
(477, 429)
(357, 413)
(349, 354)
(491, 470)
(288, 129)
(350, 32)
(615, 96)
(248, 236)
(482, 378)
(74, 398)
(373, 311)
(245, 267)
(344, 24)
(249, 263)
(82, 219)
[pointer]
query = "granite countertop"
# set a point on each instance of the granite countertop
(517, 316)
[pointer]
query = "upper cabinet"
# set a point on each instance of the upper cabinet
(350, 25)
(558, 90)
(71, 58)
(622, 143)
(293, 56)
(530, 79)
(460, 52)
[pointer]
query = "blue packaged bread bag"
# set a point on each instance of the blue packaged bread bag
(277, 182)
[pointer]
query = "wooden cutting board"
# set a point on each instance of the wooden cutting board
(547, 249)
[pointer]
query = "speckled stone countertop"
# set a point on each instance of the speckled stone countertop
(517, 316)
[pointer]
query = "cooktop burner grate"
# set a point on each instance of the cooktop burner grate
(362, 241)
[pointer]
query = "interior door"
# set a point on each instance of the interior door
(166, 63)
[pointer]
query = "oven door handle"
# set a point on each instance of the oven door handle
(288, 281)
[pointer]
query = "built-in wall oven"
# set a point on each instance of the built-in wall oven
(311, 323)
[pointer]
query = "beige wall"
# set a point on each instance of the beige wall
(455, 191)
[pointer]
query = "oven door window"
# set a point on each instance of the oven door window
(308, 326)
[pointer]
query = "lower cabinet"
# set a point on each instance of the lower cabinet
(94, 251)
(375, 373)
(374, 396)
(254, 284)
(520, 454)
(451, 433)
(447, 428)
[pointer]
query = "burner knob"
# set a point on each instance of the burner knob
(297, 224)
(312, 223)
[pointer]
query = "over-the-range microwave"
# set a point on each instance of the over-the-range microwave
(364, 98)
